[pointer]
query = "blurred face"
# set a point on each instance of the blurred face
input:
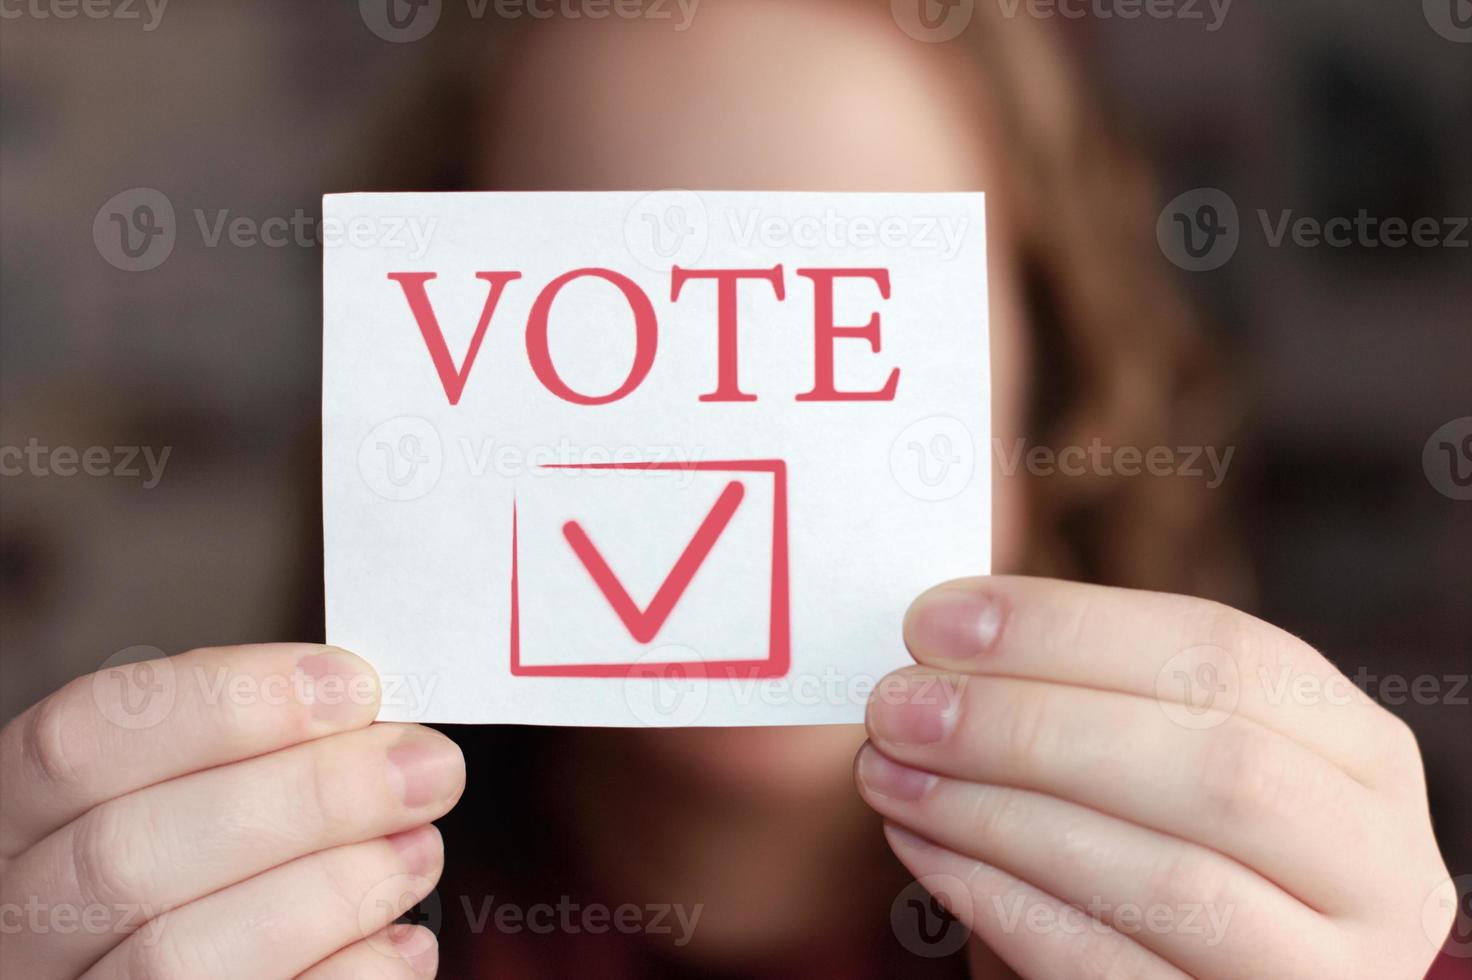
(760, 95)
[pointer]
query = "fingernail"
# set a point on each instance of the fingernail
(425, 769)
(912, 709)
(954, 623)
(881, 774)
(418, 946)
(341, 688)
(418, 848)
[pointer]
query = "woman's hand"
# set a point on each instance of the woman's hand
(224, 813)
(1107, 783)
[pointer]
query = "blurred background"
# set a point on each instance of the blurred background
(1357, 524)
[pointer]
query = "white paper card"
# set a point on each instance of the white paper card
(630, 459)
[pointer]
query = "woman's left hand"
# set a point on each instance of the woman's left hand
(1101, 782)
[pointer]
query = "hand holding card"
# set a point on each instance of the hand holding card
(577, 470)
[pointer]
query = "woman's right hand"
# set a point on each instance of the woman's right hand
(226, 813)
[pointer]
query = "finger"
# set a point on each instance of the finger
(124, 728)
(1034, 933)
(400, 952)
(1199, 910)
(282, 922)
(136, 856)
(1186, 652)
(1238, 788)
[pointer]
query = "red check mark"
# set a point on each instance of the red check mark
(778, 658)
(644, 624)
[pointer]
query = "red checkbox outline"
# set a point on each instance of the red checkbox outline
(779, 645)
